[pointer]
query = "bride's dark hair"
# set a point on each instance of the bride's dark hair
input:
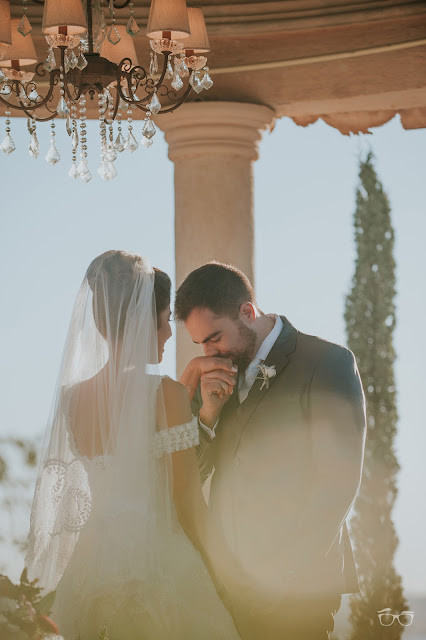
(113, 275)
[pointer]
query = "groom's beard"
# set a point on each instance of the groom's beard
(244, 353)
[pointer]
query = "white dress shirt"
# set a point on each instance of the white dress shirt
(246, 379)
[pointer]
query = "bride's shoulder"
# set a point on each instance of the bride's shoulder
(176, 401)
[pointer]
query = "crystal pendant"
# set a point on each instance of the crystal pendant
(50, 63)
(195, 83)
(146, 143)
(7, 146)
(207, 82)
(169, 71)
(24, 26)
(149, 130)
(66, 62)
(33, 95)
(103, 170)
(62, 108)
(119, 143)
(111, 153)
(153, 65)
(86, 177)
(130, 145)
(154, 105)
(113, 35)
(182, 68)
(52, 156)
(6, 90)
(177, 82)
(72, 60)
(83, 170)
(73, 172)
(112, 171)
(81, 62)
(132, 27)
(34, 148)
(74, 139)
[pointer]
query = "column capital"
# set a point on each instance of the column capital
(201, 129)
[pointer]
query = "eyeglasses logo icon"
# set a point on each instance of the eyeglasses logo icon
(386, 618)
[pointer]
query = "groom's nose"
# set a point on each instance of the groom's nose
(211, 350)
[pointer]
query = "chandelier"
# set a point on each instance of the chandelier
(92, 58)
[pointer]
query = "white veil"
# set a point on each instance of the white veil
(101, 492)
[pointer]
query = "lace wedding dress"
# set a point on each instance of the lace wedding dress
(104, 532)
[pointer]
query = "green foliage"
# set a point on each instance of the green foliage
(370, 322)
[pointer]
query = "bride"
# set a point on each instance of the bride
(119, 527)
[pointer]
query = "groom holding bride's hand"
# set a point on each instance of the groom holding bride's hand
(282, 430)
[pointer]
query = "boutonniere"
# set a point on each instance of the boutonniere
(266, 374)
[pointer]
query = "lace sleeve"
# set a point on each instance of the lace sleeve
(177, 438)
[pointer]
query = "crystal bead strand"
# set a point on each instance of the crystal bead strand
(132, 27)
(111, 152)
(7, 146)
(130, 145)
(103, 168)
(62, 108)
(113, 35)
(52, 156)
(73, 172)
(119, 141)
(24, 26)
(83, 169)
(34, 147)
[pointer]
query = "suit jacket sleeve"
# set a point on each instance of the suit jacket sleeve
(205, 448)
(338, 430)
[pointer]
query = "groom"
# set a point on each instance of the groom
(285, 444)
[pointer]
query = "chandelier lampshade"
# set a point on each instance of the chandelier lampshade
(198, 41)
(168, 17)
(125, 48)
(63, 14)
(21, 53)
(5, 28)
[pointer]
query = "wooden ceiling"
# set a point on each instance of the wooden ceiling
(353, 64)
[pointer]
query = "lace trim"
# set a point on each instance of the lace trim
(177, 438)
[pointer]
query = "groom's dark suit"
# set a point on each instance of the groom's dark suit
(287, 465)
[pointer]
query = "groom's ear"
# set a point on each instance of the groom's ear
(248, 310)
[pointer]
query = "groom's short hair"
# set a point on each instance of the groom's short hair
(222, 288)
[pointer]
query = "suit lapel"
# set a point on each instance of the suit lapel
(278, 357)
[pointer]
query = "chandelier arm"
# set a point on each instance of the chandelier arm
(37, 119)
(181, 100)
(125, 70)
(39, 104)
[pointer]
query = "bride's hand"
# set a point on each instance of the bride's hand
(207, 364)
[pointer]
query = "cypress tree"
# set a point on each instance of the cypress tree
(370, 323)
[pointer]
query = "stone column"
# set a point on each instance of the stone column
(213, 146)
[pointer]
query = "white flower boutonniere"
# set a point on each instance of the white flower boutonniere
(266, 374)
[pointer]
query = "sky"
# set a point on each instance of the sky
(52, 227)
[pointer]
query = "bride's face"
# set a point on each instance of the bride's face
(164, 331)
